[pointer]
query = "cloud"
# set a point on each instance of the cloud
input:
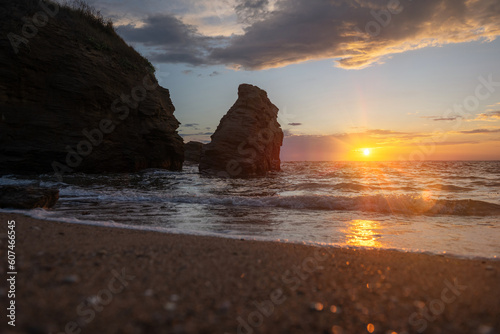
(251, 11)
(187, 72)
(489, 116)
(295, 124)
(356, 33)
(441, 119)
(214, 73)
(381, 132)
(190, 125)
(476, 131)
(360, 33)
(170, 39)
(196, 134)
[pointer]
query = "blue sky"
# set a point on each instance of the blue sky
(340, 84)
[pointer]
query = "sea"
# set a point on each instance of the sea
(450, 208)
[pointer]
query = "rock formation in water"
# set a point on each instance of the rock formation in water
(74, 97)
(248, 139)
(22, 197)
(192, 151)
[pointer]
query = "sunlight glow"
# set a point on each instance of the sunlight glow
(366, 151)
(363, 233)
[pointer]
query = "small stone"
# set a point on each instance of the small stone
(170, 306)
(70, 279)
(174, 298)
(148, 293)
(225, 306)
(484, 329)
(93, 300)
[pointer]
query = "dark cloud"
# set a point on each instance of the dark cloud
(172, 40)
(356, 33)
(190, 125)
(295, 124)
(359, 32)
(196, 134)
(214, 73)
(475, 131)
(251, 11)
(439, 118)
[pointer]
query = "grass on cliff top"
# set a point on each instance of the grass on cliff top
(87, 24)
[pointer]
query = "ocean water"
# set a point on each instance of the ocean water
(433, 207)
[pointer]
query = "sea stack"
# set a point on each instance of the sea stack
(76, 98)
(192, 151)
(248, 139)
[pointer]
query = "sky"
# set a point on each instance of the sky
(354, 80)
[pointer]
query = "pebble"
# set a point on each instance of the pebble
(484, 329)
(170, 306)
(148, 293)
(70, 279)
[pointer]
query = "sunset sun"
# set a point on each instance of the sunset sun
(366, 151)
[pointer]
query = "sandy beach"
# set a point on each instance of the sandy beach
(86, 279)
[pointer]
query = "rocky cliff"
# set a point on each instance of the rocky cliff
(74, 97)
(248, 139)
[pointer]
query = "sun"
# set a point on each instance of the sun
(366, 151)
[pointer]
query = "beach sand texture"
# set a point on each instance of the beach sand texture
(86, 279)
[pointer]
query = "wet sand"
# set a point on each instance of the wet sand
(86, 279)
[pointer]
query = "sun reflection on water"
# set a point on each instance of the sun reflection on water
(363, 233)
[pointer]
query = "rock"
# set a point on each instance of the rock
(19, 197)
(77, 98)
(192, 151)
(248, 139)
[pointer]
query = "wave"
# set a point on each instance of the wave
(392, 204)
(448, 187)
(397, 204)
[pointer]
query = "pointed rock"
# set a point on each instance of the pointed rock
(248, 139)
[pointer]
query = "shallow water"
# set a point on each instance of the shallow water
(436, 207)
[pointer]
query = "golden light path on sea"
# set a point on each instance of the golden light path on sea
(363, 233)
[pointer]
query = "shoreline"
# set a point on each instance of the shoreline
(107, 280)
(113, 225)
